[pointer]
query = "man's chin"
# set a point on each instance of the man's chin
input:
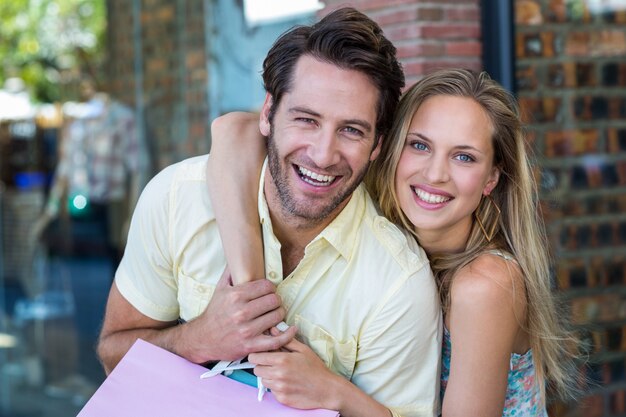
(309, 210)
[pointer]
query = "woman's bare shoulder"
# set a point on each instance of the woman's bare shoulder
(490, 281)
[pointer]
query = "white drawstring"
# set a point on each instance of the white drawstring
(227, 367)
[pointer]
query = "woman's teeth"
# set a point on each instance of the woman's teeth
(430, 198)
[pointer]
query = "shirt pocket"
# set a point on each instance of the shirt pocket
(193, 296)
(338, 355)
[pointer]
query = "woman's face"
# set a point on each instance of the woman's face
(445, 167)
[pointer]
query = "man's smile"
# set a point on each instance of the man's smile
(314, 178)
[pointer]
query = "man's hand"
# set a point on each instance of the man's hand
(234, 322)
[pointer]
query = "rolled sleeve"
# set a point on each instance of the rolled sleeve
(145, 275)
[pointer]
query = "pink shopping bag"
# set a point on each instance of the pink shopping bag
(152, 382)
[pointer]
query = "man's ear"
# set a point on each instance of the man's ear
(376, 150)
(264, 119)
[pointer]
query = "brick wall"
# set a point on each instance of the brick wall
(428, 34)
(173, 73)
(571, 78)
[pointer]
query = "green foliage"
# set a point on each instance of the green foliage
(51, 43)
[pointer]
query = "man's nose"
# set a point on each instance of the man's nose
(324, 149)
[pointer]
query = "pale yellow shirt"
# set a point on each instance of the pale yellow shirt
(363, 297)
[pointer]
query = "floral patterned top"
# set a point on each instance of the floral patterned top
(523, 397)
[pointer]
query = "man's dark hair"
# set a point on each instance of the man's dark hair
(348, 39)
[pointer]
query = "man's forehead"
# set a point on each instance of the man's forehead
(321, 87)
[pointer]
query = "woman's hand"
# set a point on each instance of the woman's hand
(297, 377)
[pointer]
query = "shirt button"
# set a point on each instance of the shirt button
(201, 290)
(272, 275)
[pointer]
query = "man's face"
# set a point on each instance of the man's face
(322, 139)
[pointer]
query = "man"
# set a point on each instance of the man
(358, 296)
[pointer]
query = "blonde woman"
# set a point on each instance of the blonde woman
(455, 173)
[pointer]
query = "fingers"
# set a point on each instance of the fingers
(266, 304)
(265, 320)
(254, 289)
(275, 332)
(294, 345)
(269, 344)
(265, 360)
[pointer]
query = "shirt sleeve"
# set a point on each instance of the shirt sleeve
(145, 275)
(399, 351)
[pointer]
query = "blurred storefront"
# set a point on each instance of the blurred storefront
(174, 65)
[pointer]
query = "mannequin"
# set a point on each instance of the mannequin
(101, 164)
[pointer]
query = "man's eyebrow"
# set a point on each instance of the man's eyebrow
(304, 110)
(363, 123)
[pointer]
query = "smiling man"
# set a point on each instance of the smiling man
(359, 294)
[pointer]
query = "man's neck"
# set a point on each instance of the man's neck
(293, 235)
(293, 232)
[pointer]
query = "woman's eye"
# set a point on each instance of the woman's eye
(419, 146)
(465, 157)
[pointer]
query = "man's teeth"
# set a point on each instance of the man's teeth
(314, 178)
(430, 198)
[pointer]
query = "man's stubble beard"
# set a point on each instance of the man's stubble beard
(289, 205)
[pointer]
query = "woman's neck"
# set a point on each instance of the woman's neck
(450, 240)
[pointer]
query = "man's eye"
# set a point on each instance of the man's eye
(353, 131)
(305, 120)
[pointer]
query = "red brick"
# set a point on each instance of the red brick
(473, 64)
(363, 5)
(404, 32)
(413, 68)
(430, 14)
(471, 48)
(462, 14)
(393, 16)
(417, 49)
(411, 79)
(451, 31)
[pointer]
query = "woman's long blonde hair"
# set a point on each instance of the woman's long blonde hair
(519, 230)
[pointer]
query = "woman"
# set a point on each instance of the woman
(455, 173)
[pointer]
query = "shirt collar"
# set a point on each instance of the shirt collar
(341, 232)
